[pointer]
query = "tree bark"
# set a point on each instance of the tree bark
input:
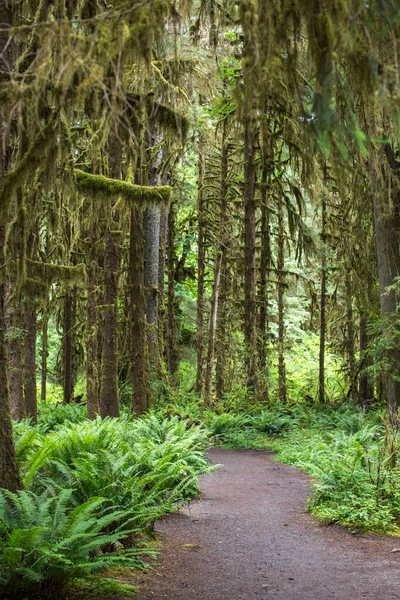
(44, 354)
(9, 473)
(281, 309)
(172, 358)
(15, 327)
(139, 373)
(250, 305)
(161, 283)
(387, 226)
(322, 330)
(30, 394)
(366, 388)
(151, 234)
(350, 337)
(265, 262)
(200, 271)
(211, 330)
(220, 286)
(68, 347)
(109, 402)
(92, 370)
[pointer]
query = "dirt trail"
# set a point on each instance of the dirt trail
(249, 538)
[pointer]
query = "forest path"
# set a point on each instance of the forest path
(249, 538)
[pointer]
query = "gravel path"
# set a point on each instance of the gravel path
(249, 538)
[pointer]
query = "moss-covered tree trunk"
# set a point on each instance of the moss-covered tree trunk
(92, 371)
(265, 261)
(172, 357)
(15, 336)
(200, 271)
(30, 394)
(366, 387)
(387, 227)
(212, 329)
(282, 388)
(9, 474)
(109, 401)
(161, 283)
(139, 373)
(322, 326)
(350, 336)
(151, 234)
(68, 346)
(220, 279)
(44, 353)
(250, 303)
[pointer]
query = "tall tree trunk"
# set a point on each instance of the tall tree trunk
(220, 279)
(109, 402)
(366, 388)
(68, 346)
(264, 266)
(200, 270)
(30, 394)
(250, 304)
(350, 336)
(387, 225)
(15, 337)
(151, 234)
(92, 370)
(161, 283)
(281, 309)
(212, 329)
(44, 353)
(322, 330)
(9, 474)
(172, 358)
(139, 373)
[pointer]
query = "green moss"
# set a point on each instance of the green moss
(96, 587)
(49, 273)
(26, 167)
(98, 185)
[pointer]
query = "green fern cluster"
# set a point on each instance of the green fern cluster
(45, 542)
(92, 488)
(357, 478)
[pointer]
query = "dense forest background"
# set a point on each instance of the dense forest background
(199, 206)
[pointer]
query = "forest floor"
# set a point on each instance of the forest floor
(249, 538)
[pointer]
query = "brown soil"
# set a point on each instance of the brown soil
(249, 538)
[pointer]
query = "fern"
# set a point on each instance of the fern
(45, 542)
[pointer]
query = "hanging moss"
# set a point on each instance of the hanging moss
(26, 168)
(49, 273)
(100, 186)
(160, 114)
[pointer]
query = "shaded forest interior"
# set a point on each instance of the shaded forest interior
(199, 207)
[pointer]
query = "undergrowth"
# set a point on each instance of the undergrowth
(352, 455)
(93, 489)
